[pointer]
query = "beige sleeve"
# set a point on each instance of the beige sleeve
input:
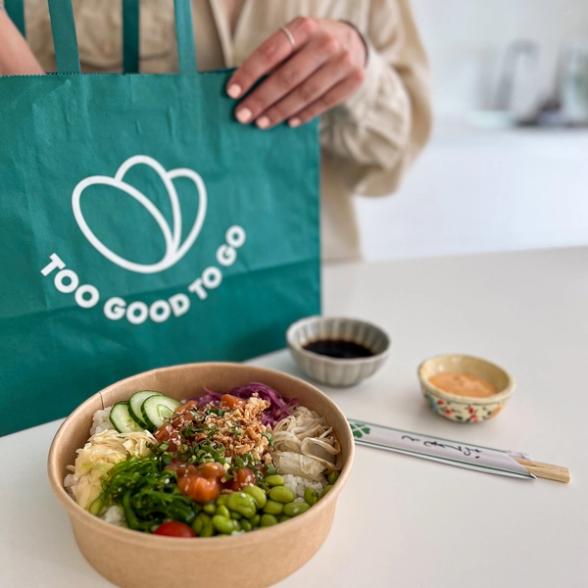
(382, 127)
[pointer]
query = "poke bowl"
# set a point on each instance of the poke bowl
(154, 498)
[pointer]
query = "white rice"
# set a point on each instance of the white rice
(298, 484)
(101, 421)
(114, 515)
(69, 482)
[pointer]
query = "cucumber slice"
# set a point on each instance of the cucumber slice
(135, 403)
(122, 420)
(157, 409)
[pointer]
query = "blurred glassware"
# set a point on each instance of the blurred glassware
(573, 82)
(519, 84)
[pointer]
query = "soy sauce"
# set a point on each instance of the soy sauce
(339, 349)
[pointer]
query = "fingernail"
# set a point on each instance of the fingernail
(234, 91)
(244, 115)
(294, 122)
(263, 122)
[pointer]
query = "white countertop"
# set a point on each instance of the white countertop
(403, 521)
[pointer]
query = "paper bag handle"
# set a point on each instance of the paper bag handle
(65, 41)
(130, 8)
(15, 10)
(184, 35)
(131, 27)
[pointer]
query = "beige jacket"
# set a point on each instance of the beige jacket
(368, 141)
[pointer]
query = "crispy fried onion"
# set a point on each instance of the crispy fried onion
(304, 445)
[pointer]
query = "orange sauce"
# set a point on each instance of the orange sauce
(463, 384)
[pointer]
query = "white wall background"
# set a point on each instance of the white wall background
(485, 189)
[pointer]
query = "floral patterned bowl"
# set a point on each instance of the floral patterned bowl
(465, 409)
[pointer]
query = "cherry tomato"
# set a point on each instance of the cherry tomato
(230, 401)
(174, 529)
(211, 470)
(198, 488)
(243, 477)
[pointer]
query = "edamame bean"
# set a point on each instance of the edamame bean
(207, 530)
(326, 489)
(223, 525)
(272, 507)
(281, 494)
(222, 499)
(283, 518)
(242, 503)
(274, 480)
(255, 520)
(310, 496)
(257, 494)
(223, 511)
(209, 508)
(268, 520)
(332, 477)
(295, 508)
(235, 515)
(204, 517)
(246, 525)
(197, 525)
(200, 522)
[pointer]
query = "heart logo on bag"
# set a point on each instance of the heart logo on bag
(175, 247)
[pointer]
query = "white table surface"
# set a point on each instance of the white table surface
(403, 521)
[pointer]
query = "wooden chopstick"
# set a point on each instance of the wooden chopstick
(546, 471)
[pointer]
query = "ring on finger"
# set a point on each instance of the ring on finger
(289, 36)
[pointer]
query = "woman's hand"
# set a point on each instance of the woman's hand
(313, 68)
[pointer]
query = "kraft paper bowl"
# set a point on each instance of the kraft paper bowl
(465, 409)
(259, 558)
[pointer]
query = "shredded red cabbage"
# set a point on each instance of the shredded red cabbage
(279, 407)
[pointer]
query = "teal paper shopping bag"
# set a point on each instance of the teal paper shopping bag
(142, 226)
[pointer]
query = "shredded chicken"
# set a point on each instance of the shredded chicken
(304, 445)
